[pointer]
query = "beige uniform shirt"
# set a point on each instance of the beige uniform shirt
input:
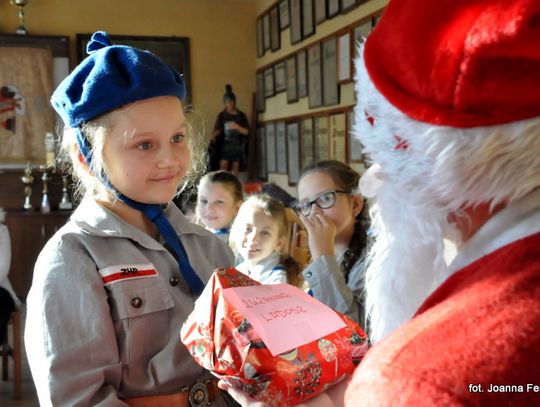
(106, 306)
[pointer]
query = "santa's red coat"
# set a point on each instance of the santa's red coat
(478, 330)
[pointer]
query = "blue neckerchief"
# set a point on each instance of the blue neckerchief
(222, 231)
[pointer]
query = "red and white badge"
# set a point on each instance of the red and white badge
(122, 272)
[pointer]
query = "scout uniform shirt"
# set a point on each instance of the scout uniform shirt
(106, 306)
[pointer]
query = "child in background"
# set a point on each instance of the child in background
(258, 235)
(219, 198)
(112, 287)
(332, 213)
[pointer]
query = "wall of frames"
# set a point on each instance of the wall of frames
(304, 83)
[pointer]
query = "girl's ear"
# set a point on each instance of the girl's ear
(80, 157)
(281, 243)
(238, 205)
(357, 204)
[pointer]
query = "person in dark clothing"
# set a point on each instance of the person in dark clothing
(231, 129)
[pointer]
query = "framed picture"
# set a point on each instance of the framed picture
(292, 88)
(31, 67)
(275, 33)
(270, 135)
(260, 40)
(361, 32)
(260, 96)
(355, 147)
(321, 144)
(281, 147)
(314, 65)
(296, 20)
(269, 89)
(280, 75)
(320, 11)
(301, 69)
(284, 21)
(332, 8)
(266, 32)
(293, 153)
(344, 57)
(308, 21)
(338, 139)
(306, 142)
(173, 50)
(330, 74)
(261, 154)
(347, 5)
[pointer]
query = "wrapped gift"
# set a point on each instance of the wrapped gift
(275, 342)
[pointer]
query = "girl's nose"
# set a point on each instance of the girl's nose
(315, 209)
(167, 158)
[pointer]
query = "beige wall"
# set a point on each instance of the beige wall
(222, 37)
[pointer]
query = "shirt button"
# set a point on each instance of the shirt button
(136, 302)
(173, 281)
(309, 274)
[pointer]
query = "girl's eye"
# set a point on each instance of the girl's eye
(203, 201)
(144, 146)
(177, 138)
(220, 202)
(265, 233)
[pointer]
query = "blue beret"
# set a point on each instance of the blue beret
(110, 77)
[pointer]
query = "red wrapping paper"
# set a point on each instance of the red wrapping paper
(221, 340)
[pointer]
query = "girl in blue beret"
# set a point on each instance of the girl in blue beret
(113, 286)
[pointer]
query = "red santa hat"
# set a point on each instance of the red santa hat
(458, 63)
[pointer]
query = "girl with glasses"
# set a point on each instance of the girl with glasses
(334, 218)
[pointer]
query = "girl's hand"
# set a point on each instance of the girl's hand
(321, 234)
(241, 397)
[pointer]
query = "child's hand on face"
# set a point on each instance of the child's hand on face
(321, 234)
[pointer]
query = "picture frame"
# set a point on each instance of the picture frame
(267, 45)
(306, 142)
(321, 141)
(292, 88)
(269, 89)
(314, 65)
(175, 51)
(295, 16)
(355, 147)
(308, 20)
(301, 69)
(347, 5)
(281, 147)
(338, 136)
(280, 77)
(344, 58)
(270, 139)
(260, 39)
(284, 21)
(262, 174)
(332, 9)
(275, 32)
(293, 153)
(320, 11)
(361, 32)
(329, 72)
(260, 98)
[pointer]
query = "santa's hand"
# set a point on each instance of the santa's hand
(321, 234)
(241, 397)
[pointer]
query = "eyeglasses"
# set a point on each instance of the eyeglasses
(324, 200)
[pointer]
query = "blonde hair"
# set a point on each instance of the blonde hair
(88, 178)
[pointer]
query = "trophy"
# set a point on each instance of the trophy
(65, 203)
(21, 29)
(27, 180)
(45, 205)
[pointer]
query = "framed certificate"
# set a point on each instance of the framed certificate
(321, 145)
(293, 153)
(280, 77)
(329, 69)
(306, 142)
(275, 33)
(266, 31)
(296, 20)
(320, 11)
(260, 39)
(269, 82)
(308, 21)
(301, 69)
(338, 139)
(344, 57)
(333, 8)
(292, 88)
(270, 135)
(361, 32)
(260, 96)
(261, 153)
(348, 5)
(281, 147)
(314, 65)
(355, 147)
(284, 21)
